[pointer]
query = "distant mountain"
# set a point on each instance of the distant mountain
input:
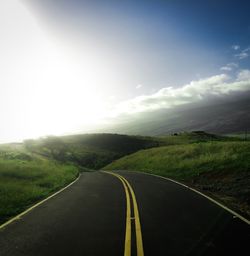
(221, 115)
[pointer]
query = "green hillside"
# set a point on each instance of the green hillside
(89, 150)
(218, 168)
(26, 178)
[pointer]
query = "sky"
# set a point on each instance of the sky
(70, 66)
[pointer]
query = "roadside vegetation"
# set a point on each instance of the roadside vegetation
(26, 178)
(219, 168)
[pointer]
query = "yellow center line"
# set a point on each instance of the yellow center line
(127, 248)
(139, 244)
(127, 251)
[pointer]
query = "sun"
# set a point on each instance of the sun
(44, 89)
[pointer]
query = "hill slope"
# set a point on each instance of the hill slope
(26, 178)
(219, 168)
(89, 150)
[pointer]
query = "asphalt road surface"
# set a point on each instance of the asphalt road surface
(104, 214)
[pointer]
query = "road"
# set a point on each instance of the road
(101, 214)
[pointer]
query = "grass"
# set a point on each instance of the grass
(186, 162)
(26, 178)
(217, 167)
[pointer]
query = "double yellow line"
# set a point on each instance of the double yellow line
(139, 244)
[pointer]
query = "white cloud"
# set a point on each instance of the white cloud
(139, 86)
(195, 91)
(236, 47)
(243, 54)
(243, 75)
(226, 68)
(229, 66)
(112, 97)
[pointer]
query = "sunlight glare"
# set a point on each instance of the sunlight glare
(43, 90)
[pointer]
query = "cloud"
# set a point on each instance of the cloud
(226, 68)
(243, 54)
(229, 66)
(235, 47)
(195, 91)
(139, 86)
(243, 75)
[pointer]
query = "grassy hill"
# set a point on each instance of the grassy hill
(219, 168)
(26, 178)
(89, 150)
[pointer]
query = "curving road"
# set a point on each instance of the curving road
(127, 213)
